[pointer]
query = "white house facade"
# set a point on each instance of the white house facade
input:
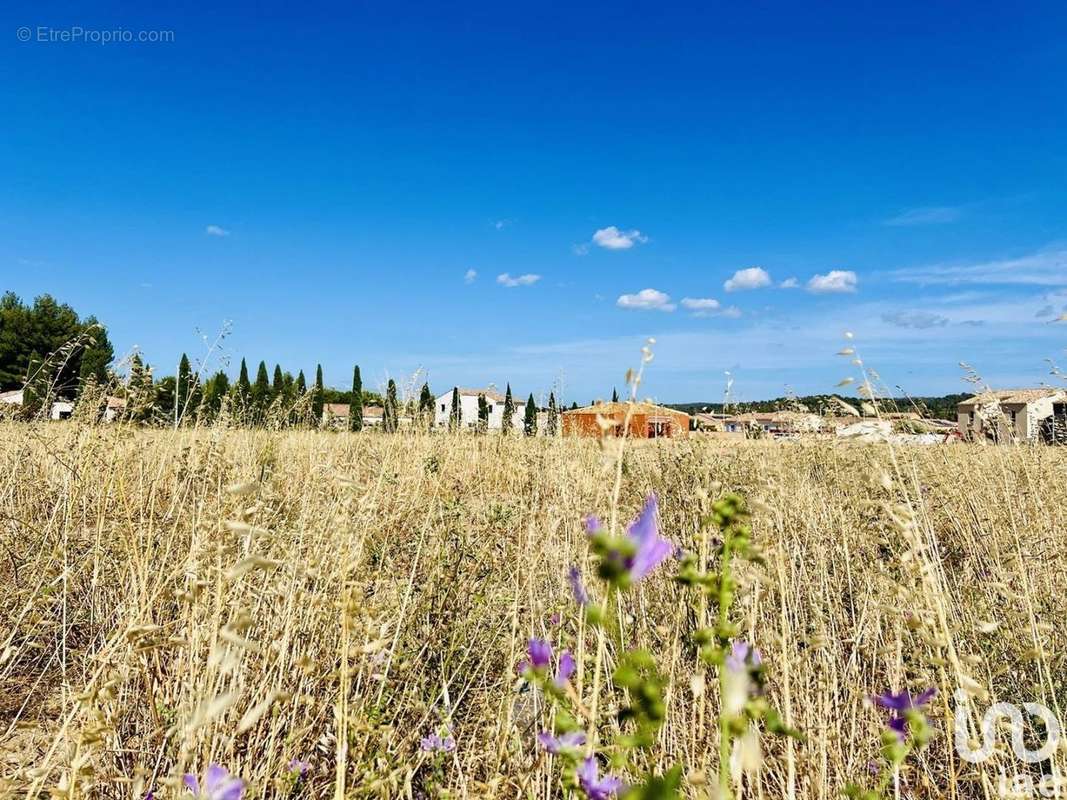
(468, 403)
(1014, 415)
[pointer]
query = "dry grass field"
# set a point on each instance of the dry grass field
(172, 599)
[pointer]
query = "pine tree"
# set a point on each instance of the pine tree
(318, 400)
(301, 384)
(355, 408)
(509, 412)
(483, 414)
(552, 424)
(614, 395)
(529, 420)
(389, 420)
(278, 383)
(242, 393)
(455, 415)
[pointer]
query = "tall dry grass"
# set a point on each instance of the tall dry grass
(173, 598)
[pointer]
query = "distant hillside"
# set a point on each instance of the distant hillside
(931, 407)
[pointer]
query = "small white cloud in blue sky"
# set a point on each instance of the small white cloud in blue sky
(216, 230)
(834, 281)
(504, 279)
(470, 275)
(500, 224)
(926, 215)
(700, 303)
(611, 238)
(646, 300)
(915, 319)
(751, 278)
(789, 283)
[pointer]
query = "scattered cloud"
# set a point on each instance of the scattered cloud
(1045, 268)
(915, 319)
(731, 312)
(646, 300)
(789, 283)
(500, 224)
(925, 215)
(751, 278)
(700, 303)
(470, 276)
(611, 238)
(216, 230)
(580, 249)
(504, 279)
(836, 280)
(1047, 311)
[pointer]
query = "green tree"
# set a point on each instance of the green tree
(97, 355)
(355, 408)
(507, 422)
(277, 385)
(187, 391)
(483, 414)
(389, 412)
(243, 389)
(261, 394)
(318, 399)
(301, 384)
(552, 423)
(614, 395)
(455, 413)
(529, 420)
(140, 391)
(215, 389)
(426, 406)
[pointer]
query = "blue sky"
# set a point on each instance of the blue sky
(348, 185)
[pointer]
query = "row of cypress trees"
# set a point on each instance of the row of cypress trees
(529, 422)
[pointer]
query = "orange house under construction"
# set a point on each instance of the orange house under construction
(647, 421)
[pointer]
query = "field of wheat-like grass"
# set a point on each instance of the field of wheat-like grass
(176, 598)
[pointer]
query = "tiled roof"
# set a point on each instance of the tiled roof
(490, 394)
(1009, 397)
(621, 408)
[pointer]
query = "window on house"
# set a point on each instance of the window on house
(442, 406)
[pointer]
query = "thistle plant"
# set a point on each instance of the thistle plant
(908, 730)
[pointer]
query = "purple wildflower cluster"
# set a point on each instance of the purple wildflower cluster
(595, 787)
(435, 743)
(539, 660)
(218, 784)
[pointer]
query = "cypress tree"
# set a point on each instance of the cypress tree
(529, 421)
(574, 406)
(455, 416)
(243, 392)
(552, 424)
(215, 389)
(301, 384)
(318, 399)
(483, 414)
(261, 393)
(355, 408)
(426, 405)
(614, 395)
(509, 412)
(389, 421)
(278, 384)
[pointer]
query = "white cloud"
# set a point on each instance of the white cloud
(611, 238)
(836, 280)
(789, 283)
(926, 215)
(915, 319)
(751, 278)
(216, 230)
(731, 312)
(700, 303)
(580, 249)
(1044, 268)
(470, 275)
(504, 279)
(646, 300)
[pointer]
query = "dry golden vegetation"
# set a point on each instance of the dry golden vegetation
(175, 598)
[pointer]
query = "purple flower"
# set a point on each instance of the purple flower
(652, 548)
(595, 787)
(565, 669)
(540, 653)
(581, 596)
(592, 523)
(299, 767)
(901, 704)
(555, 619)
(742, 657)
(555, 744)
(218, 785)
(433, 743)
